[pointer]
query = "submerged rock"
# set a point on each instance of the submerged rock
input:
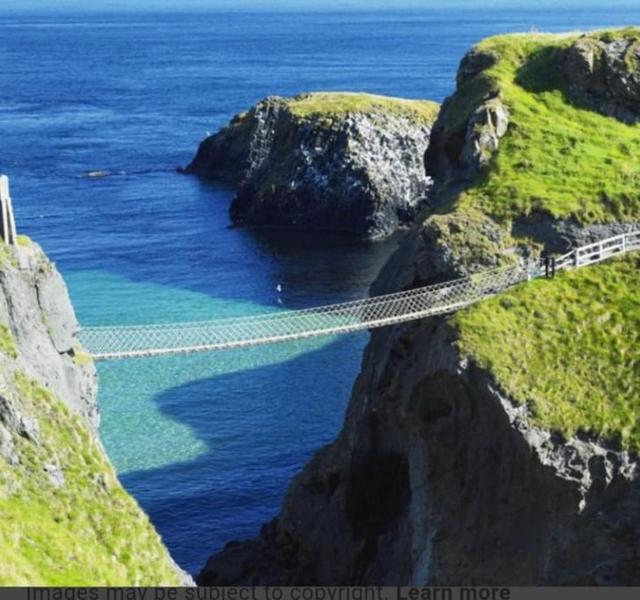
(350, 163)
(96, 174)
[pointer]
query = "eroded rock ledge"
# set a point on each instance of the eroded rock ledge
(350, 163)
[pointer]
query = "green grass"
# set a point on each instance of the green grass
(24, 240)
(569, 348)
(88, 531)
(335, 104)
(81, 357)
(477, 239)
(7, 343)
(556, 158)
(7, 256)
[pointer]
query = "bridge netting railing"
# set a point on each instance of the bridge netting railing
(127, 341)
(200, 336)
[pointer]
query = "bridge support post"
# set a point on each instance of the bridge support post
(549, 267)
(8, 224)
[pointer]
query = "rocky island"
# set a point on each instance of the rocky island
(498, 445)
(348, 163)
(66, 518)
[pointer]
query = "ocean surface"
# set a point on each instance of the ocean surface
(207, 443)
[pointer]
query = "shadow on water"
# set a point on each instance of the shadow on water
(258, 427)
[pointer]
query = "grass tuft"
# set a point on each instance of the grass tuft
(81, 357)
(7, 343)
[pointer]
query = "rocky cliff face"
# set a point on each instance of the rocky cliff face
(66, 519)
(35, 313)
(449, 469)
(472, 123)
(339, 162)
(604, 74)
(438, 479)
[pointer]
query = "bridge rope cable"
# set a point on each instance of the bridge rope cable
(129, 341)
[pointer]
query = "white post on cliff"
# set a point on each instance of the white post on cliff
(8, 232)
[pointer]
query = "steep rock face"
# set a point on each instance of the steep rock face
(356, 170)
(439, 476)
(35, 311)
(605, 75)
(437, 479)
(66, 518)
(472, 121)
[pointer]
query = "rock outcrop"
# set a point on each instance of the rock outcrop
(486, 126)
(471, 123)
(345, 163)
(66, 518)
(604, 74)
(36, 314)
(438, 479)
(440, 476)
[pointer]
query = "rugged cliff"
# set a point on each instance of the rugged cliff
(498, 445)
(66, 520)
(349, 163)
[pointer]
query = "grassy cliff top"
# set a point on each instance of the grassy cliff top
(83, 531)
(569, 348)
(557, 157)
(332, 104)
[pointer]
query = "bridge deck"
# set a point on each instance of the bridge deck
(115, 342)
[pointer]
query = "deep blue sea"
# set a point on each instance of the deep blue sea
(208, 443)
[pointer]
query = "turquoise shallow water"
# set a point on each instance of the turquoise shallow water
(131, 390)
(207, 443)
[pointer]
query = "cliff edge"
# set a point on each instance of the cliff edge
(66, 520)
(498, 445)
(349, 163)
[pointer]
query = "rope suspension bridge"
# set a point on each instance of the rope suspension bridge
(117, 342)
